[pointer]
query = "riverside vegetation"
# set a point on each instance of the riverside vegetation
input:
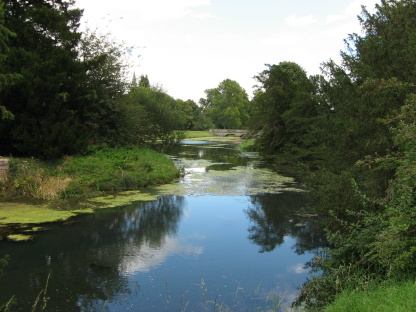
(350, 131)
(103, 170)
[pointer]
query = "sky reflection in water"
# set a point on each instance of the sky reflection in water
(216, 240)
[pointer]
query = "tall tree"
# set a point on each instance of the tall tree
(5, 78)
(387, 49)
(106, 64)
(45, 100)
(151, 115)
(227, 105)
(284, 110)
(144, 82)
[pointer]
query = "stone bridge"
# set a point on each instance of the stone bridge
(227, 132)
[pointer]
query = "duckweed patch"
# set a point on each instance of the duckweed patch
(201, 178)
(122, 199)
(20, 237)
(18, 213)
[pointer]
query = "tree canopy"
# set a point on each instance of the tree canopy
(284, 109)
(227, 105)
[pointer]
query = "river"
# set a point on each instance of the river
(226, 237)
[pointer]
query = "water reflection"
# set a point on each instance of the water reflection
(234, 228)
(276, 217)
(89, 260)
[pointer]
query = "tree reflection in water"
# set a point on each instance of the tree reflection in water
(87, 261)
(276, 216)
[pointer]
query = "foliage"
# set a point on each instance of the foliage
(249, 146)
(388, 46)
(384, 297)
(70, 82)
(193, 115)
(106, 63)
(45, 100)
(284, 111)
(105, 169)
(353, 130)
(365, 187)
(151, 115)
(5, 79)
(227, 105)
(144, 82)
(30, 178)
(118, 169)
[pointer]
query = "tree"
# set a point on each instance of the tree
(227, 105)
(106, 64)
(365, 188)
(151, 115)
(284, 110)
(144, 82)
(134, 81)
(70, 82)
(5, 79)
(388, 46)
(45, 100)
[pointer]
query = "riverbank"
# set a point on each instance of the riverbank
(37, 192)
(104, 170)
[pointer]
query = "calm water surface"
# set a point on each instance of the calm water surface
(224, 238)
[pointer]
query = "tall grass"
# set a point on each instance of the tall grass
(118, 169)
(102, 170)
(393, 297)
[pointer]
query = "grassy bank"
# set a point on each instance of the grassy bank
(197, 134)
(399, 296)
(86, 176)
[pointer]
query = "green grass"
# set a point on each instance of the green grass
(395, 297)
(197, 134)
(119, 169)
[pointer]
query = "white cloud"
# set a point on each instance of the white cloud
(300, 21)
(298, 268)
(142, 258)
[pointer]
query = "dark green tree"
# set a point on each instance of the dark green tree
(365, 188)
(144, 82)
(151, 115)
(284, 111)
(46, 99)
(5, 78)
(388, 47)
(106, 64)
(227, 105)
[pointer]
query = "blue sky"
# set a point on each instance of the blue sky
(188, 46)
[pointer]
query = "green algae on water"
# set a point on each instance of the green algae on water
(19, 237)
(15, 213)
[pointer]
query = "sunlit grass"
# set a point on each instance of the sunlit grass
(120, 169)
(197, 134)
(382, 298)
